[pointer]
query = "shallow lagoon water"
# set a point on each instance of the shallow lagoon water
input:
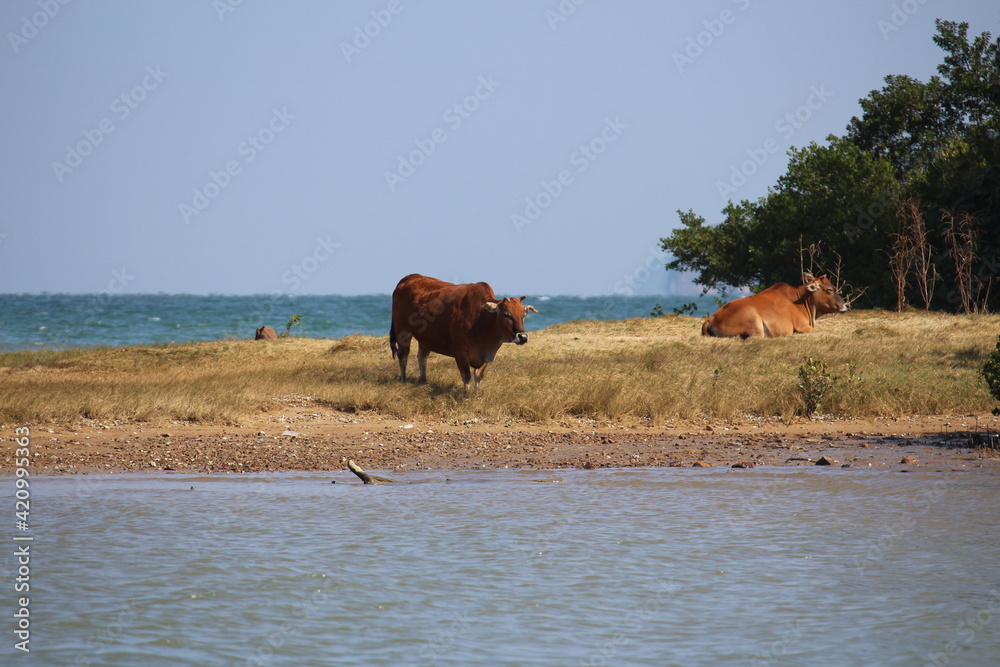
(627, 567)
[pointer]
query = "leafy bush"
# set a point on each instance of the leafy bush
(686, 309)
(814, 383)
(294, 321)
(991, 373)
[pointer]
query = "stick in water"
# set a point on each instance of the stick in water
(366, 478)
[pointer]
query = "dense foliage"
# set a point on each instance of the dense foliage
(991, 373)
(929, 147)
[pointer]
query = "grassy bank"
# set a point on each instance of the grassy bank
(880, 364)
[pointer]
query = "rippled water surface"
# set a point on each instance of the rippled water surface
(56, 321)
(636, 567)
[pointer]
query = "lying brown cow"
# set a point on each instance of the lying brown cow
(780, 310)
(466, 322)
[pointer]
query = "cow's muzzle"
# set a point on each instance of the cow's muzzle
(521, 338)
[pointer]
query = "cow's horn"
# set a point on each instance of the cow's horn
(491, 306)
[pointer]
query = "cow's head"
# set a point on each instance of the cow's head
(825, 296)
(510, 319)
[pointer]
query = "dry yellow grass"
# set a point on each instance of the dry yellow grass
(886, 364)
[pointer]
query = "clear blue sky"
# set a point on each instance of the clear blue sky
(334, 147)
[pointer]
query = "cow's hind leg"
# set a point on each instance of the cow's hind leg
(755, 329)
(422, 354)
(403, 339)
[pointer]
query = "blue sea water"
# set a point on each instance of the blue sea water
(60, 321)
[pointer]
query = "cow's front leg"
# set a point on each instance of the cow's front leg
(478, 376)
(422, 354)
(466, 371)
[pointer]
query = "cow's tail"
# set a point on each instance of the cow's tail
(392, 339)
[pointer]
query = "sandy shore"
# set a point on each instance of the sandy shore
(305, 437)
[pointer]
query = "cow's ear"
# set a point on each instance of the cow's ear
(491, 306)
(807, 277)
(530, 309)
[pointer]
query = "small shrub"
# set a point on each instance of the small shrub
(991, 373)
(686, 309)
(814, 383)
(294, 321)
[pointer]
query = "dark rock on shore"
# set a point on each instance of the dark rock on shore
(265, 333)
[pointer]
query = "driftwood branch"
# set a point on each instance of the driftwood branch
(366, 478)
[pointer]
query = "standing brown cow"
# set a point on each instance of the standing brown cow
(466, 322)
(780, 310)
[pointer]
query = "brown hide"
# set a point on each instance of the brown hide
(466, 322)
(265, 333)
(780, 310)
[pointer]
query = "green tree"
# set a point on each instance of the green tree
(971, 71)
(943, 139)
(957, 112)
(719, 254)
(835, 196)
(937, 142)
(904, 122)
